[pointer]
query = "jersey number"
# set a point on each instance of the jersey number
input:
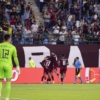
(5, 53)
(48, 63)
(64, 62)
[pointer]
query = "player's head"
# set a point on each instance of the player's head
(47, 57)
(53, 53)
(29, 58)
(7, 38)
(62, 55)
(77, 58)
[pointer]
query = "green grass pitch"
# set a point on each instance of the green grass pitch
(54, 92)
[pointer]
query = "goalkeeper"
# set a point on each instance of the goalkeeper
(7, 51)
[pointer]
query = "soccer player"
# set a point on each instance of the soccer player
(7, 51)
(46, 64)
(78, 67)
(31, 63)
(54, 65)
(63, 62)
(45, 68)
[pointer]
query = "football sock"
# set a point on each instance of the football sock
(8, 88)
(57, 74)
(75, 80)
(62, 79)
(52, 78)
(7, 98)
(0, 87)
(45, 78)
(81, 79)
(48, 79)
(42, 78)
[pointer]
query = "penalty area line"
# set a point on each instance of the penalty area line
(13, 98)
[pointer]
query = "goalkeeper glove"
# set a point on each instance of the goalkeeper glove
(18, 69)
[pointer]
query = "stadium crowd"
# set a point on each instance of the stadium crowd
(16, 19)
(65, 21)
(72, 21)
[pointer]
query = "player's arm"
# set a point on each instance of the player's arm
(74, 62)
(67, 63)
(16, 59)
(59, 62)
(80, 65)
(45, 65)
(54, 61)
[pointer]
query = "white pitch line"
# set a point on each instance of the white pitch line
(13, 98)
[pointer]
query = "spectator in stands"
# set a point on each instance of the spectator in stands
(15, 39)
(5, 26)
(47, 18)
(76, 38)
(34, 27)
(56, 29)
(13, 22)
(77, 17)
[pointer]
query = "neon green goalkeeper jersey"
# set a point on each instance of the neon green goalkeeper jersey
(7, 51)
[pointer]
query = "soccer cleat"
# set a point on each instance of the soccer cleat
(74, 83)
(81, 82)
(62, 83)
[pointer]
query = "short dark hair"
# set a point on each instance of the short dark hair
(77, 57)
(53, 52)
(62, 55)
(6, 37)
(29, 58)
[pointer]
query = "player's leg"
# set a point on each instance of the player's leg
(51, 74)
(1, 77)
(52, 77)
(76, 73)
(43, 77)
(62, 77)
(55, 70)
(49, 78)
(8, 88)
(79, 76)
(0, 86)
(8, 76)
(61, 73)
(64, 73)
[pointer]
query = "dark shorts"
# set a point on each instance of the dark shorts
(63, 70)
(77, 71)
(46, 70)
(50, 70)
(55, 67)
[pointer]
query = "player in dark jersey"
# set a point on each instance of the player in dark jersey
(45, 64)
(63, 62)
(54, 65)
